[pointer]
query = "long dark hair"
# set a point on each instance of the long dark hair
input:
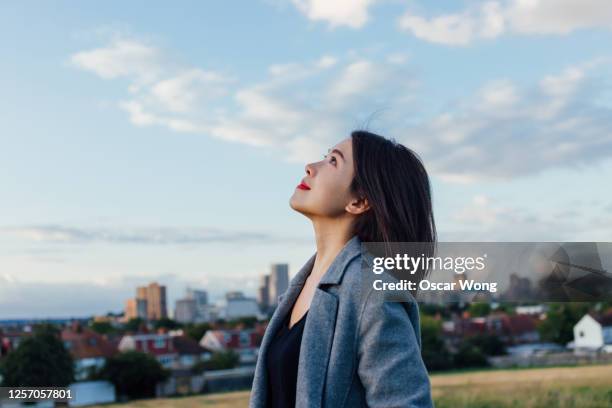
(394, 181)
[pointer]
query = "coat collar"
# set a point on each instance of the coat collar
(318, 330)
(334, 273)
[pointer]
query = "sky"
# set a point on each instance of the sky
(153, 141)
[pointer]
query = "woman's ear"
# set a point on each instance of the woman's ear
(358, 206)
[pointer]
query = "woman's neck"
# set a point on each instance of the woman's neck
(331, 236)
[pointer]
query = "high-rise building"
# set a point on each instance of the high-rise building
(279, 281)
(156, 299)
(135, 308)
(155, 295)
(238, 305)
(141, 292)
(263, 294)
(200, 296)
(185, 311)
(202, 308)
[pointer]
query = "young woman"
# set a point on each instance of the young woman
(328, 345)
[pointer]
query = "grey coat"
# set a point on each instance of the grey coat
(357, 350)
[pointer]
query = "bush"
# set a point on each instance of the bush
(134, 374)
(39, 360)
(197, 331)
(488, 344)
(433, 350)
(222, 360)
(468, 356)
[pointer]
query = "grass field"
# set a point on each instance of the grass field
(564, 387)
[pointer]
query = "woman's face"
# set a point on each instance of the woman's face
(325, 190)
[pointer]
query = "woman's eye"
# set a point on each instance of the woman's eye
(332, 159)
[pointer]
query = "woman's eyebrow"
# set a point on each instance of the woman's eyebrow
(338, 152)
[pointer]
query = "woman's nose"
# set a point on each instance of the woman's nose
(309, 169)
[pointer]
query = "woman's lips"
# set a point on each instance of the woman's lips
(303, 186)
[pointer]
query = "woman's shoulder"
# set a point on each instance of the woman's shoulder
(358, 293)
(359, 277)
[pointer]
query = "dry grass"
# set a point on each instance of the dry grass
(221, 400)
(584, 387)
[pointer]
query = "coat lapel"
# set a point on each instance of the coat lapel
(318, 331)
(315, 349)
(285, 302)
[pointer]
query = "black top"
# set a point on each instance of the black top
(282, 361)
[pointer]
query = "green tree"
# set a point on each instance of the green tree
(469, 355)
(40, 360)
(134, 374)
(102, 327)
(166, 323)
(489, 344)
(479, 309)
(560, 320)
(248, 322)
(197, 331)
(223, 360)
(134, 324)
(432, 309)
(433, 350)
(506, 308)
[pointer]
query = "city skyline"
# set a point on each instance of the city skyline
(162, 142)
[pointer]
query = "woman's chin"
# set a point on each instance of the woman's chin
(297, 205)
(294, 204)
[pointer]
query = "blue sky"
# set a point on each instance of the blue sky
(146, 141)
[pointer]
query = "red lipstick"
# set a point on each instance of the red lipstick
(303, 186)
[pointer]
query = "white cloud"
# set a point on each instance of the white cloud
(305, 109)
(301, 108)
(558, 16)
(350, 13)
(355, 79)
(161, 93)
(138, 115)
(132, 235)
(481, 212)
(299, 104)
(327, 61)
(486, 219)
(504, 131)
(122, 58)
(451, 29)
(500, 94)
(8, 278)
(182, 92)
(493, 18)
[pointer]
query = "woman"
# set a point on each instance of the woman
(328, 344)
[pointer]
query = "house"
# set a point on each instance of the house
(536, 310)
(9, 341)
(172, 350)
(159, 345)
(511, 329)
(465, 327)
(514, 329)
(245, 342)
(190, 352)
(183, 379)
(88, 349)
(593, 332)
